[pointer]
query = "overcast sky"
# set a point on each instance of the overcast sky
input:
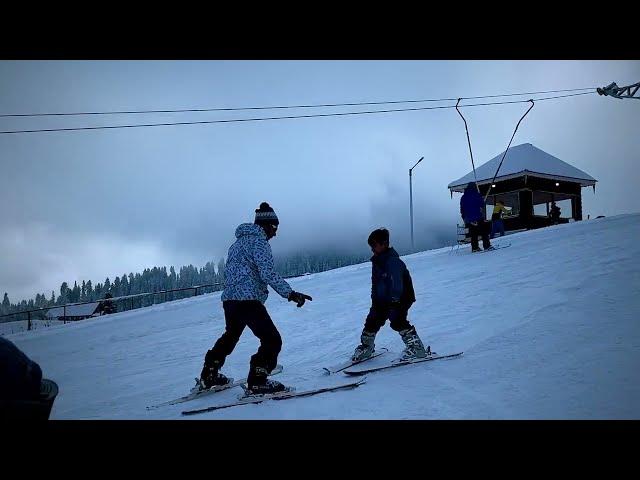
(92, 204)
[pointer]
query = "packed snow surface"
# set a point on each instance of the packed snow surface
(550, 329)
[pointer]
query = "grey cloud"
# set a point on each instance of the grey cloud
(178, 193)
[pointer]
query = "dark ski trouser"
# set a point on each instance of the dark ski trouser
(482, 230)
(252, 314)
(381, 312)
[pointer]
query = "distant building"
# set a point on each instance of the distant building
(74, 312)
(529, 177)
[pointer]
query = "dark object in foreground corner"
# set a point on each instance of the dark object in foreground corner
(38, 408)
(24, 394)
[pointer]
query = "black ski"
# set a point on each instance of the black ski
(277, 396)
(401, 363)
(349, 363)
(197, 393)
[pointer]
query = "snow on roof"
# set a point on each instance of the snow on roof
(523, 159)
(74, 310)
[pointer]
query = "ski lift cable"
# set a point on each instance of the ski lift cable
(505, 152)
(289, 117)
(276, 107)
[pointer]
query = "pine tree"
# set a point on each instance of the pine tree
(221, 271)
(64, 294)
(75, 295)
(124, 285)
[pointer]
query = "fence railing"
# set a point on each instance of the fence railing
(123, 303)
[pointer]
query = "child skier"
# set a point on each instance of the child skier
(391, 297)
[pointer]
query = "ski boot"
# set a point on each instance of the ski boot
(366, 348)
(211, 377)
(414, 347)
(259, 384)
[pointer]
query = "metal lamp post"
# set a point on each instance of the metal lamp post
(411, 200)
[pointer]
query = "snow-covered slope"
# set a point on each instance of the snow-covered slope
(550, 328)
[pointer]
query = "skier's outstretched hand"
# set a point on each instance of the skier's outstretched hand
(299, 298)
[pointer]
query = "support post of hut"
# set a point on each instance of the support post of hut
(576, 208)
(526, 207)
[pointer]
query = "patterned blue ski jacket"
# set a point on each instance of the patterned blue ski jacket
(249, 267)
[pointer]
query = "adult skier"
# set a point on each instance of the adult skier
(497, 224)
(471, 210)
(249, 269)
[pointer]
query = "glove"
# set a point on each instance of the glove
(299, 298)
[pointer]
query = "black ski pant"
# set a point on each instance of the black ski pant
(247, 313)
(482, 229)
(381, 312)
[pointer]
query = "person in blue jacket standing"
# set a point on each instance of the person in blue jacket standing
(472, 212)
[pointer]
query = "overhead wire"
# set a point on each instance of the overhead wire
(287, 117)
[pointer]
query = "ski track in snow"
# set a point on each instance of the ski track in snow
(549, 328)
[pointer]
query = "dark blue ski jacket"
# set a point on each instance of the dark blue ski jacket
(390, 279)
(471, 204)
